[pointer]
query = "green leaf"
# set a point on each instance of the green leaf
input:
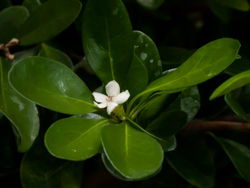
(25, 53)
(131, 152)
(74, 138)
(167, 124)
(238, 154)
(107, 39)
(48, 20)
(151, 4)
(52, 85)
(239, 4)
(168, 145)
(55, 54)
(188, 101)
(231, 100)
(11, 19)
(205, 63)
(231, 84)
(193, 161)
(117, 174)
(147, 53)
(31, 5)
(22, 113)
(41, 170)
(221, 11)
(238, 66)
(152, 110)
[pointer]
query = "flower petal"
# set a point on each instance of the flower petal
(99, 97)
(112, 88)
(111, 107)
(101, 105)
(122, 97)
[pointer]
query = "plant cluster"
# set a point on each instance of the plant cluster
(125, 100)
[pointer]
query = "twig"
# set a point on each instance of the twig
(202, 125)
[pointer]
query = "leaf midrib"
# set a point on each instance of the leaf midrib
(109, 50)
(62, 96)
(44, 25)
(87, 131)
(175, 80)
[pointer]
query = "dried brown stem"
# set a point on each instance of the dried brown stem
(202, 125)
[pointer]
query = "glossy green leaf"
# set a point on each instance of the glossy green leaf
(152, 109)
(131, 152)
(238, 154)
(168, 145)
(107, 39)
(25, 53)
(167, 124)
(239, 4)
(238, 66)
(74, 138)
(52, 85)
(49, 19)
(12, 19)
(205, 63)
(233, 103)
(193, 161)
(150, 4)
(117, 174)
(221, 11)
(137, 76)
(231, 84)
(188, 101)
(21, 112)
(41, 170)
(31, 5)
(55, 54)
(147, 53)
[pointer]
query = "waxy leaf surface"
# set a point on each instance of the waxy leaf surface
(167, 124)
(31, 5)
(133, 153)
(51, 84)
(188, 101)
(107, 39)
(48, 20)
(12, 19)
(21, 112)
(205, 63)
(75, 138)
(147, 53)
(55, 54)
(232, 101)
(41, 170)
(117, 174)
(232, 83)
(239, 4)
(238, 154)
(137, 76)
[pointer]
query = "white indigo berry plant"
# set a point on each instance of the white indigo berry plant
(134, 116)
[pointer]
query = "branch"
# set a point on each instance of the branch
(202, 125)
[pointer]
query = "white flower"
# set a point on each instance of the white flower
(113, 99)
